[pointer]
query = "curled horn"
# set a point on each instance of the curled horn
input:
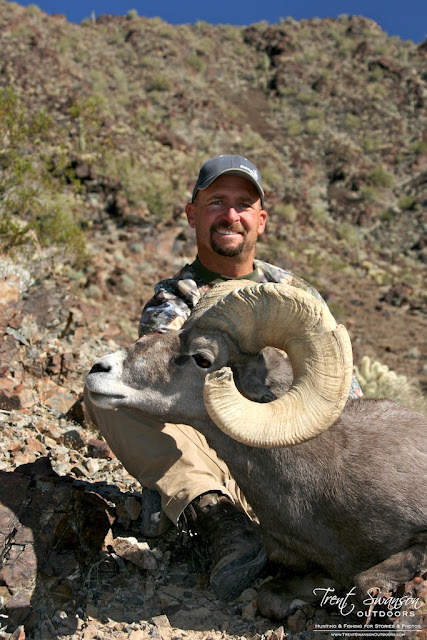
(278, 315)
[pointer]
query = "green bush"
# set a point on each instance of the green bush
(34, 204)
(286, 211)
(379, 177)
(407, 203)
(294, 127)
(371, 144)
(159, 83)
(351, 121)
(57, 222)
(419, 147)
(314, 126)
(305, 97)
(195, 61)
(370, 193)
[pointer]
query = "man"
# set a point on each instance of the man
(175, 461)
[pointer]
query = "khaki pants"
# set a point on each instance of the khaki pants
(173, 459)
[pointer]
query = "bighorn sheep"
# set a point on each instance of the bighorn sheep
(339, 486)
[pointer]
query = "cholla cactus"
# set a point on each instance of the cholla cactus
(378, 381)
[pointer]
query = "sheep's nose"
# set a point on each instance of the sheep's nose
(100, 367)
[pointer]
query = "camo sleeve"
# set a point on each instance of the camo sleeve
(271, 273)
(171, 304)
(163, 312)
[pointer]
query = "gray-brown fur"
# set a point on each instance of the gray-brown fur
(343, 502)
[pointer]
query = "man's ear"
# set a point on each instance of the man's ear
(190, 210)
(262, 221)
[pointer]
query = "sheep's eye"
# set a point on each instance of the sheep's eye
(202, 361)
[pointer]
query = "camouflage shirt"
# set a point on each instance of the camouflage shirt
(175, 298)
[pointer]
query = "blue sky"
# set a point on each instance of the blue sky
(404, 18)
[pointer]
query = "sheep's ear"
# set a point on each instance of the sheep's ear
(252, 386)
(265, 376)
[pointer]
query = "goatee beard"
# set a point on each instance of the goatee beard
(229, 252)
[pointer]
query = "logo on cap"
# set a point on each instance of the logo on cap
(253, 173)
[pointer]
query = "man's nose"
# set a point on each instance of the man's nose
(232, 214)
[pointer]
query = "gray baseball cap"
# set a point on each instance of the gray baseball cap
(235, 165)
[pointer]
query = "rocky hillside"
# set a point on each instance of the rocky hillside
(103, 127)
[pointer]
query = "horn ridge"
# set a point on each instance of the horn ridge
(291, 319)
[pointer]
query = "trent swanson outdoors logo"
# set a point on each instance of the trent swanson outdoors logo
(346, 607)
(376, 619)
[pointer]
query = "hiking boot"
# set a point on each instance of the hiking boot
(237, 553)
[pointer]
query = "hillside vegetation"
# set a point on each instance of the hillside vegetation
(103, 127)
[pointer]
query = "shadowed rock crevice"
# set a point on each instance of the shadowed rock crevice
(50, 534)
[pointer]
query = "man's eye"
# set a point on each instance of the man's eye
(202, 361)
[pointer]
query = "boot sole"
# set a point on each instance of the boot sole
(231, 578)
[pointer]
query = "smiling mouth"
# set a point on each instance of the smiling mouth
(228, 233)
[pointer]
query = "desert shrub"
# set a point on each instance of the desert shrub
(315, 112)
(378, 381)
(314, 126)
(287, 20)
(379, 177)
(231, 32)
(376, 75)
(305, 97)
(286, 211)
(202, 25)
(320, 213)
(140, 186)
(86, 116)
(387, 215)
(294, 127)
(371, 144)
(348, 232)
(159, 83)
(376, 90)
(419, 147)
(195, 61)
(370, 193)
(34, 205)
(57, 222)
(157, 194)
(344, 45)
(250, 140)
(351, 121)
(407, 203)
(263, 62)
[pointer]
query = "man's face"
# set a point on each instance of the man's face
(227, 217)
